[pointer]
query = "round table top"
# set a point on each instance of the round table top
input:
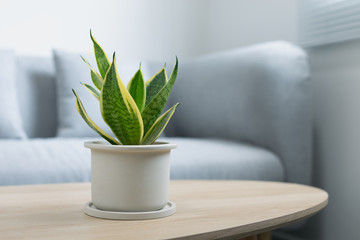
(205, 210)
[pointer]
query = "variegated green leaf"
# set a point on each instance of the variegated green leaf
(119, 110)
(155, 84)
(95, 77)
(137, 90)
(92, 90)
(80, 108)
(159, 126)
(157, 104)
(102, 60)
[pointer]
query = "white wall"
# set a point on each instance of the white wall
(144, 29)
(336, 83)
(154, 29)
(35, 27)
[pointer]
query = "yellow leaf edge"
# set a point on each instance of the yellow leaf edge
(101, 80)
(91, 90)
(81, 110)
(172, 110)
(152, 78)
(128, 100)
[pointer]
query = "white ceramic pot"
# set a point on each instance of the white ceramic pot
(130, 178)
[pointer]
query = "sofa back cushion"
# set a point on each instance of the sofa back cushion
(38, 93)
(70, 71)
(258, 94)
(37, 96)
(10, 120)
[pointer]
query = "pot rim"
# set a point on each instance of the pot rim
(103, 145)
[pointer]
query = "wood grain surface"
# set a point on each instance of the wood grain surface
(205, 210)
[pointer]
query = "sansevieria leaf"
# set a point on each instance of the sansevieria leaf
(137, 89)
(155, 84)
(80, 108)
(95, 77)
(159, 126)
(157, 104)
(102, 60)
(92, 90)
(119, 110)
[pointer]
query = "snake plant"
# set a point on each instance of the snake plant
(133, 113)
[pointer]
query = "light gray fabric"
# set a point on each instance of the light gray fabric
(37, 96)
(220, 159)
(259, 95)
(37, 161)
(35, 79)
(70, 71)
(56, 160)
(10, 120)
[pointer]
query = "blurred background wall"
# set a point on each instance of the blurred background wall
(145, 29)
(336, 97)
(160, 29)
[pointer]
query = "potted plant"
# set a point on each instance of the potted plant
(130, 171)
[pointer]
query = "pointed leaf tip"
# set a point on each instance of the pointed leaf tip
(81, 110)
(101, 58)
(155, 84)
(158, 127)
(95, 77)
(119, 109)
(137, 89)
(92, 90)
(154, 107)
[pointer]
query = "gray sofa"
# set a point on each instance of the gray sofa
(244, 114)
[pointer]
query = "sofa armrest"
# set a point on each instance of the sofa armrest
(258, 94)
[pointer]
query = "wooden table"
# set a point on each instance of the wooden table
(205, 210)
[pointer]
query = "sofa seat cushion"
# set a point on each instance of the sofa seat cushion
(37, 161)
(57, 160)
(220, 159)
